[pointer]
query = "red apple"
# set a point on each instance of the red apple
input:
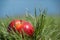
(15, 25)
(28, 28)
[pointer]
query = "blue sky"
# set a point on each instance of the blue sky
(17, 7)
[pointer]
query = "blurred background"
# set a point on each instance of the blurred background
(19, 7)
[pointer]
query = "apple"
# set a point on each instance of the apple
(15, 25)
(28, 28)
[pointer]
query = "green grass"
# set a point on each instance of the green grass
(46, 27)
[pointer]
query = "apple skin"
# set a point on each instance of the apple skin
(20, 25)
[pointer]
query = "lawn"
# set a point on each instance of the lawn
(46, 27)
